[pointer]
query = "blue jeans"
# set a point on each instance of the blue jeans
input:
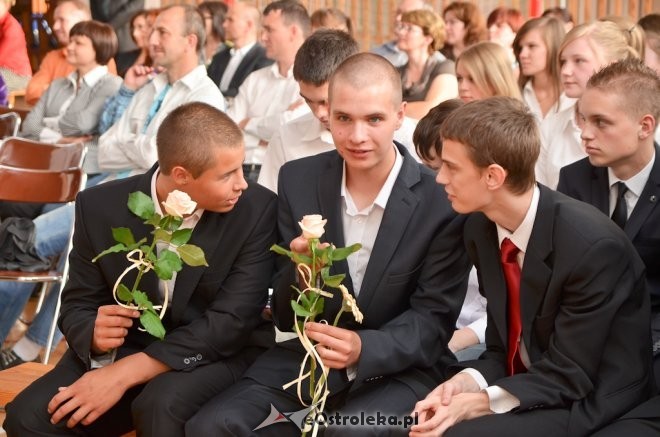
(52, 232)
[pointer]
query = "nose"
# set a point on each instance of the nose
(566, 69)
(240, 184)
(321, 112)
(358, 133)
(440, 176)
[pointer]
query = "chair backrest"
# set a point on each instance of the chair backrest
(21, 112)
(19, 152)
(43, 186)
(9, 124)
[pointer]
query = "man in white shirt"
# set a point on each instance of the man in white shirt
(175, 46)
(269, 92)
(568, 345)
(229, 68)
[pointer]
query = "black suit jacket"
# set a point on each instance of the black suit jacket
(253, 60)
(214, 309)
(584, 310)
(414, 284)
(590, 184)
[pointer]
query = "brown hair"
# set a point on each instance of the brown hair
(331, 18)
(426, 136)
(103, 37)
(431, 23)
(498, 130)
(470, 15)
(190, 133)
(511, 16)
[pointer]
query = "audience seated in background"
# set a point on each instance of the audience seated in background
(229, 68)
(585, 49)
(54, 65)
(651, 25)
(464, 26)
(271, 91)
(503, 24)
(390, 50)
(214, 14)
(409, 277)
(141, 25)
(562, 15)
(428, 77)
(568, 310)
(114, 377)
(15, 66)
(118, 14)
(331, 18)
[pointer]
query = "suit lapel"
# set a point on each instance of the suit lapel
(648, 200)
(535, 272)
(208, 234)
(243, 66)
(400, 208)
(600, 189)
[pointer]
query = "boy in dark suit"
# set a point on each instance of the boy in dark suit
(619, 114)
(409, 278)
(567, 337)
(115, 377)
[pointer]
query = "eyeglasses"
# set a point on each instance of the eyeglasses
(407, 27)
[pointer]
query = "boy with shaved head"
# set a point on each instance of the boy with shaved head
(409, 277)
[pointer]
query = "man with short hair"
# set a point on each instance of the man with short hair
(114, 377)
(309, 134)
(618, 114)
(390, 50)
(54, 65)
(409, 277)
(267, 93)
(229, 68)
(567, 341)
(144, 100)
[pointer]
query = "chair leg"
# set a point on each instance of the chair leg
(42, 296)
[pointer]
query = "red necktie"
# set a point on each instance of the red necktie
(511, 269)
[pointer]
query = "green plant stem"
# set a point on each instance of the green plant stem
(339, 313)
(141, 271)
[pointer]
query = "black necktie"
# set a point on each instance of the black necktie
(620, 214)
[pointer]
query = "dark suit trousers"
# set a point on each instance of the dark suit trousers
(537, 423)
(159, 408)
(243, 407)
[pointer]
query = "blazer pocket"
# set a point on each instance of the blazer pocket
(402, 278)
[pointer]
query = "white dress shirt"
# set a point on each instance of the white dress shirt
(237, 56)
(473, 312)
(560, 145)
(501, 401)
(264, 98)
(635, 186)
(126, 145)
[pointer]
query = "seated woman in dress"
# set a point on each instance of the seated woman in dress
(428, 77)
(70, 109)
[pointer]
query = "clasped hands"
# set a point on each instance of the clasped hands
(453, 401)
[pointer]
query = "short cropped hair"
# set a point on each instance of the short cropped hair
(431, 23)
(103, 37)
(320, 55)
(293, 12)
(426, 136)
(498, 130)
(190, 133)
(364, 69)
(193, 24)
(636, 85)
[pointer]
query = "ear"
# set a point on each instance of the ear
(191, 39)
(647, 126)
(180, 176)
(400, 114)
(495, 176)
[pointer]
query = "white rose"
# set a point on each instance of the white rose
(179, 204)
(312, 226)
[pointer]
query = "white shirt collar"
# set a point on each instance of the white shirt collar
(636, 183)
(243, 50)
(385, 191)
(190, 80)
(275, 71)
(92, 76)
(316, 130)
(520, 236)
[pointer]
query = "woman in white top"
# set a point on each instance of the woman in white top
(585, 50)
(70, 109)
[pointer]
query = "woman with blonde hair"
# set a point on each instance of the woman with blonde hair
(484, 70)
(586, 49)
(428, 77)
